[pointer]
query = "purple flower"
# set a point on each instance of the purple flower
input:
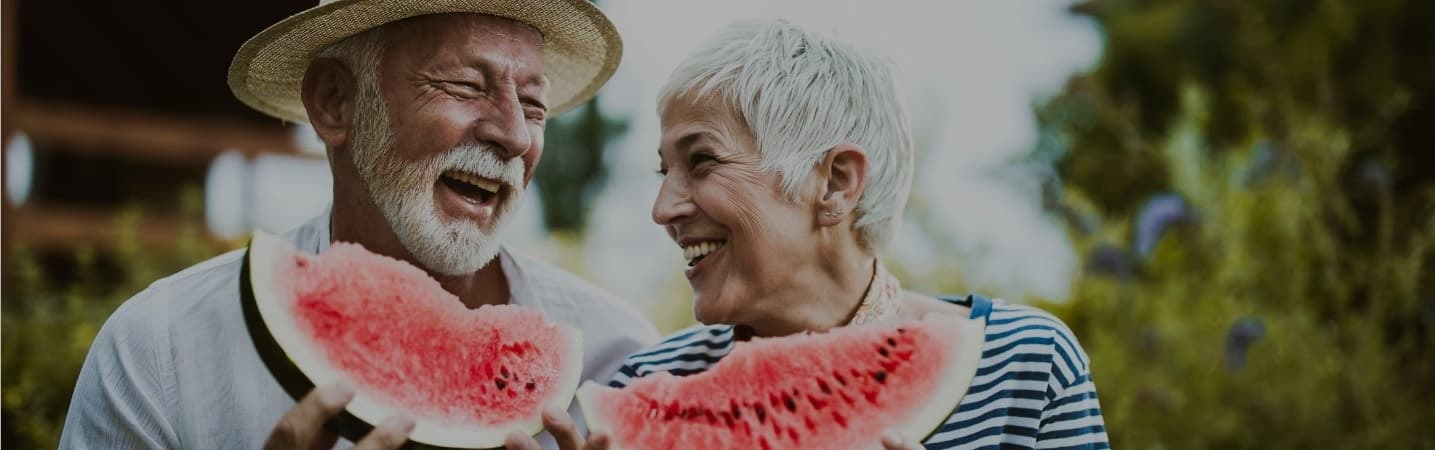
(1158, 215)
(1110, 260)
(1244, 332)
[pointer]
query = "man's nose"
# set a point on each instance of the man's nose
(505, 126)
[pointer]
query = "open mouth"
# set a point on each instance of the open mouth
(697, 252)
(472, 188)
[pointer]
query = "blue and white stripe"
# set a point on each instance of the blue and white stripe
(1033, 388)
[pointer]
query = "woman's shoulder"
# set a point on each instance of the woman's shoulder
(1011, 325)
(687, 351)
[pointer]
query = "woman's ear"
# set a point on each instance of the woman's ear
(844, 171)
(328, 95)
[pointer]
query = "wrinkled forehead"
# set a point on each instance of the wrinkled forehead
(421, 38)
(699, 106)
(708, 113)
(485, 25)
(466, 39)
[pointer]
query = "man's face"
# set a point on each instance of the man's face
(450, 139)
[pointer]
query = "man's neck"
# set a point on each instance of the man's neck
(360, 222)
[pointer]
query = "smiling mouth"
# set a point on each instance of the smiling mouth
(696, 252)
(471, 187)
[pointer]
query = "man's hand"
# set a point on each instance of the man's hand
(303, 426)
(893, 441)
(561, 427)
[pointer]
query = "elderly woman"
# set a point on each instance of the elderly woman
(786, 159)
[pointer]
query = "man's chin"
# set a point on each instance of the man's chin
(450, 261)
(454, 248)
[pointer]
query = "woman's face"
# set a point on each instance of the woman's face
(743, 241)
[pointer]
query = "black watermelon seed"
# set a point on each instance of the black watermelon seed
(791, 405)
(530, 386)
(882, 351)
(881, 376)
(500, 383)
(891, 342)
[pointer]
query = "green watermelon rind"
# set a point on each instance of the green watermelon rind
(968, 356)
(281, 348)
(924, 423)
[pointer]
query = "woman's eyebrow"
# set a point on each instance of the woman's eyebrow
(688, 140)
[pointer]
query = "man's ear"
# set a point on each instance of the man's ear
(328, 94)
(844, 175)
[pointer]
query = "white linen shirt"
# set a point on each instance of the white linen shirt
(174, 366)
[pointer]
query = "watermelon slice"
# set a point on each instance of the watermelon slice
(837, 390)
(467, 377)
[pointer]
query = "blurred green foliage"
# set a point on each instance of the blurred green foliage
(572, 171)
(48, 323)
(1294, 304)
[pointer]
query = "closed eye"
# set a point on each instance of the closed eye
(535, 110)
(462, 88)
(698, 158)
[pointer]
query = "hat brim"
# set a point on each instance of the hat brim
(581, 47)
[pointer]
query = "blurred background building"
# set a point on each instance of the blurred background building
(1232, 203)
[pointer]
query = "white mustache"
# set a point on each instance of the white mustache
(483, 160)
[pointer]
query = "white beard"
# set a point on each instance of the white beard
(404, 192)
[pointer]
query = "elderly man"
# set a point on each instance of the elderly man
(433, 117)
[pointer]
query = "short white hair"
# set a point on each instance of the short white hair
(801, 94)
(361, 53)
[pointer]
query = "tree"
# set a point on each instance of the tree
(1294, 305)
(572, 170)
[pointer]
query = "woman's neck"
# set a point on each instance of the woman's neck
(824, 296)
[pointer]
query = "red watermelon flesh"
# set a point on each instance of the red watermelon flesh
(468, 376)
(836, 390)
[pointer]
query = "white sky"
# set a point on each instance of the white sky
(973, 70)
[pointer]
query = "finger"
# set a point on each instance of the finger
(390, 434)
(894, 441)
(518, 441)
(325, 440)
(597, 441)
(561, 427)
(303, 425)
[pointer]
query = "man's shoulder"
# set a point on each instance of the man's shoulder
(181, 291)
(550, 280)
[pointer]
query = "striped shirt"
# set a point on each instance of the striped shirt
(1032, 389)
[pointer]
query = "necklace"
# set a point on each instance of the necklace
(880, 300)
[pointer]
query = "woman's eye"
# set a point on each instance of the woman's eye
(699, 158)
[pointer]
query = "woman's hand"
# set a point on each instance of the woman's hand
(303, 426)
(893, 441)
(560, 425)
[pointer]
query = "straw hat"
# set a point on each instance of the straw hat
(581, 48)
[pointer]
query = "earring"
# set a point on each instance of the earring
(837, 213)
